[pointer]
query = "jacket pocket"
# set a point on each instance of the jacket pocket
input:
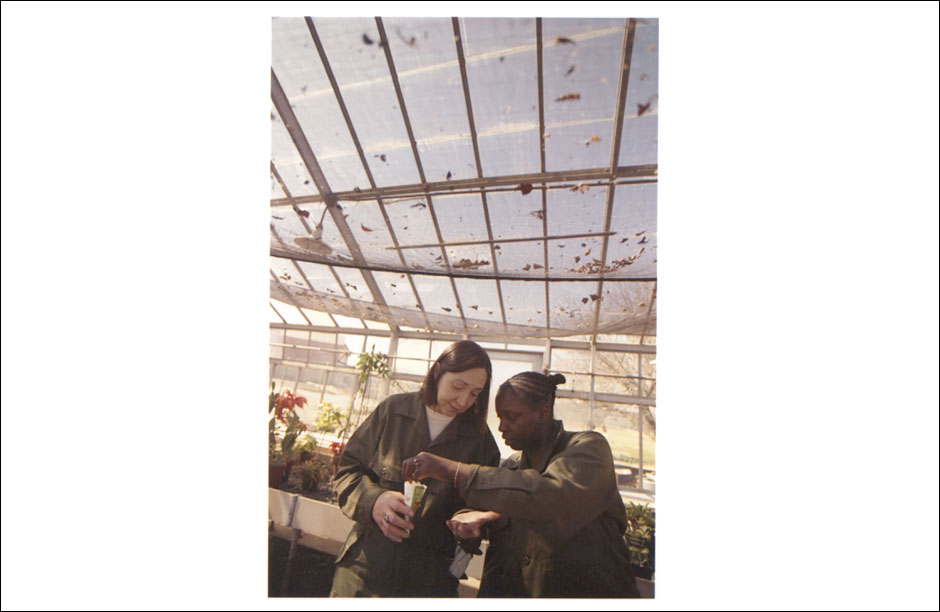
(390, 476)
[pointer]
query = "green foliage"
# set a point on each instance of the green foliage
(641, 528)
(330, 418)
(373, 363)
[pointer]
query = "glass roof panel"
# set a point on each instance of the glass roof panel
(460, 217)
(480, 300)
(581, 73)
(433, 91)
(525, 302)
(288, 163)
(320, 277)
(395, 289)
(639, 142)
(572, 306)
(354, 284)
(578, 212)
(290, 313)
(318, 318)
(514, 215)
(286, 273)
(504, 93)
(297, 65)
(362, 72)
(632, 251)
(437, 295)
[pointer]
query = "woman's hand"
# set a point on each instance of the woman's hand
(467, 524)
(425, 465)
(387, 513)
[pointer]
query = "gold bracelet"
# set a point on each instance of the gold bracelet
(456, 472)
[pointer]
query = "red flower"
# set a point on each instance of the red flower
(337, 448)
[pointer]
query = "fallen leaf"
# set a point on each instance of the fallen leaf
(449, 175)
(570, 70)
(537, 214)
(382, 156)
(588, 253)
(641, 233)
(642, 108)
(401, 276)
(644, 240)
(537, 267)
(419, 205)
(307, 182)
(393, 285)
(497, 247)
(474, 307)
(411, 42)
(584, 300)
(624, 240)
(365, 229)
(303, 213)
(594, 297)
(445, 308)
(354, 288)
(525, 188)
(527, 267)
(568, 96)
(278, 218)
(367, 40)
(561, 40)
(577, 258)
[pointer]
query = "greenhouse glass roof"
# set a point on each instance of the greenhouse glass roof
(473, 176)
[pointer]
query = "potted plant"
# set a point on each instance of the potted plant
(641, 539)
(283, 429)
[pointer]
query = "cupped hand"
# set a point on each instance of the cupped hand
(467, 524)
(388, 513)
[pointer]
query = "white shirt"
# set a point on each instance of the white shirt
(436, 422)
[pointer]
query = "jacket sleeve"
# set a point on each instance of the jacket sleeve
(356, 484)
(569, 493)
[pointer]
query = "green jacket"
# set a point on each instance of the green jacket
(563, 525)
(370, 563)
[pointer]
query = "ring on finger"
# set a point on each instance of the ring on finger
(386, 518)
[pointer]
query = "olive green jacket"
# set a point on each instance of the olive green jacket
(370, 465)
(562, 532)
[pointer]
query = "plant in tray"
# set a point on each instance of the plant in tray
(641, 539)
(284, 428)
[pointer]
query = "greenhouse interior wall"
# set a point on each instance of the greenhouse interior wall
(610, 388)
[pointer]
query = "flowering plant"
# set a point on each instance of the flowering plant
(283, 405)
(337, 448)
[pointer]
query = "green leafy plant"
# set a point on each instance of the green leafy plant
(330, 418)
(281, 445)
(640, 537)
(368, 364)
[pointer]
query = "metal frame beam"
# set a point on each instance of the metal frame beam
(311, 258)
(578, 177)
(383, 38)
(283, 107)
(362, 157)
(628, 39)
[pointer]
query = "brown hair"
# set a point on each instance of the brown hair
(460, 357)
(535, 388)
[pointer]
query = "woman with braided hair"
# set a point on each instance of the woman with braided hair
(552, 511)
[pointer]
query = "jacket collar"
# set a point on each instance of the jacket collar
(558, 444)
(461, 426)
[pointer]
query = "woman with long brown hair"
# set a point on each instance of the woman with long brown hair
(392, 550)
